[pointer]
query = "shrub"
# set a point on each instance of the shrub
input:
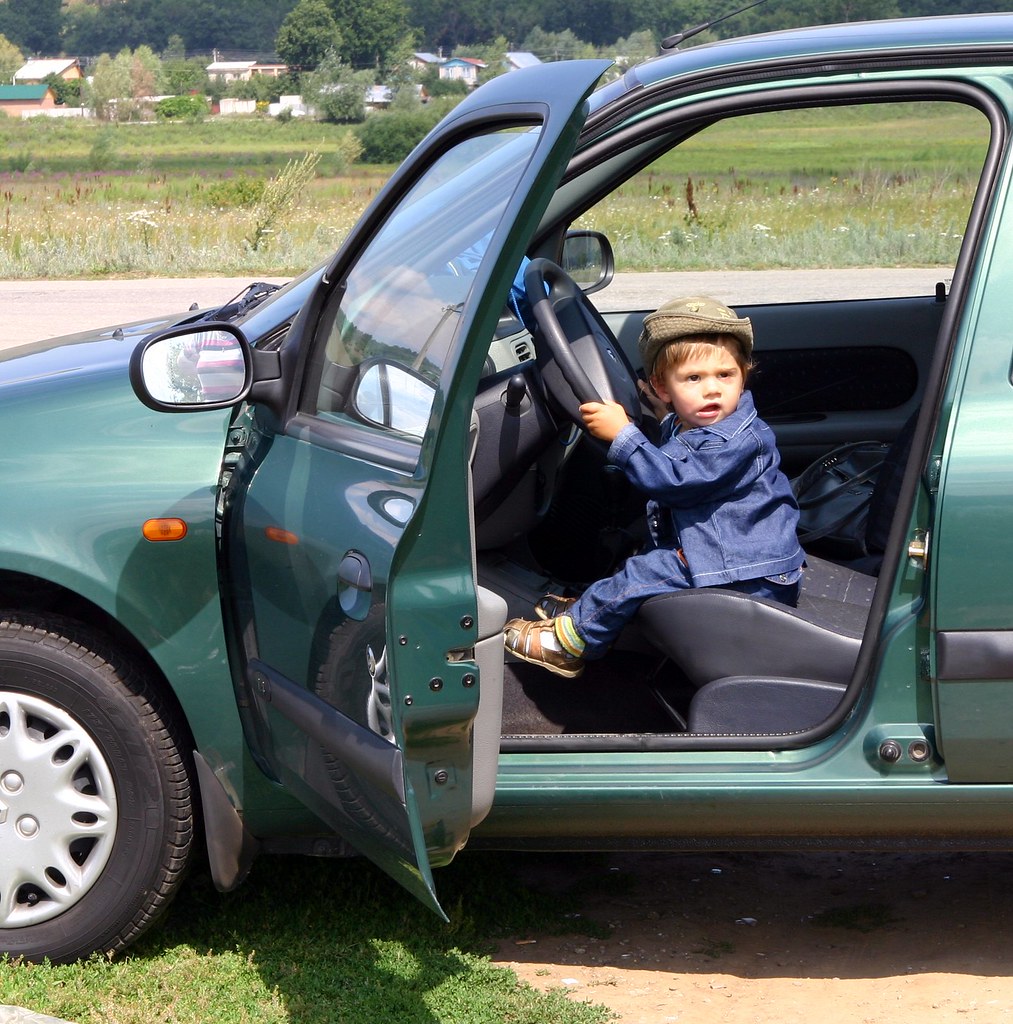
(347, 149)
(67, 93)
(21, 161)
(102, 151)
(438, 87)
(280, 195)
(181, 108)
(389, 138)
(235, 192)
(336, 92)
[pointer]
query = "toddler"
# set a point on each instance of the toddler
(721, 512)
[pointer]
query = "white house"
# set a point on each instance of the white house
(243, 70)
(379, 97)
(423, 61)
(520, 59)
(293, 104)
(37, 70)
(462, 69)
(231, 70)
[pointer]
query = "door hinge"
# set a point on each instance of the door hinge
(237, 441)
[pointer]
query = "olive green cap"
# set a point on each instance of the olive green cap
(687, 317)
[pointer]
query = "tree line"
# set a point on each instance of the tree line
(371, 29)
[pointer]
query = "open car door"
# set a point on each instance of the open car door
(346, 523)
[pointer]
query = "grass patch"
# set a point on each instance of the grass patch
(152, 224)
(319, 942)
(222, 145)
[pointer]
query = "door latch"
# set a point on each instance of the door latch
(918, 549)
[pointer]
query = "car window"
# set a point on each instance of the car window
(401, 302)
(825, 190)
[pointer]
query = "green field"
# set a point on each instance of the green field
(82, 200)
(869, 186)
(872, 186)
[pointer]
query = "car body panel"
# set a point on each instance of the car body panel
(100, 465)
(93, 465)
(969, 543)
(961, 41)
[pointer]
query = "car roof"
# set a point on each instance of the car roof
(960, 39)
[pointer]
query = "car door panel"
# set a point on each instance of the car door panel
(347, 532)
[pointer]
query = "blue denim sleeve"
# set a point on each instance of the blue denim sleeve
(467, 263)
(519, 297)
(625, 443)
(676, 474)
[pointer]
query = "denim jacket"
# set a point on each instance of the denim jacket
(718, 494)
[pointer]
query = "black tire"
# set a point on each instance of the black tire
(96, 817)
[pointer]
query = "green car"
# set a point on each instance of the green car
(256, 562)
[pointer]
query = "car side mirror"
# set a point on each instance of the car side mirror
(588, 258)
(394, 397)
(205, 366)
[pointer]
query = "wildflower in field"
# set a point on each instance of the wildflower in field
(142, 218)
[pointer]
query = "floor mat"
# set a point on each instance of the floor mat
(612, 696)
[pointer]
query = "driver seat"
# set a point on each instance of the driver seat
(761, 666)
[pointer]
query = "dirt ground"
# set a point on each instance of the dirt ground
(763, 938)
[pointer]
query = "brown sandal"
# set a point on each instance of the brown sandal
(523, 639)
(553, 605)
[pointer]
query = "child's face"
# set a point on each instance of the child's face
(705, 388)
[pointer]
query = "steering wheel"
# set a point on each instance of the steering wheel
(577, 355)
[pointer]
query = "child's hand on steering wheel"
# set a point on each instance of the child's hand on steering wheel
(604, 420)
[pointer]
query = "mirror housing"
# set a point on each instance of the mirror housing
(193, 367)
(588, 258)
(389, 395)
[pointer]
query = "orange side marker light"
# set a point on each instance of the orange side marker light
(280, 536)
(164, 529)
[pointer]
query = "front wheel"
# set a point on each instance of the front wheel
(96, 822)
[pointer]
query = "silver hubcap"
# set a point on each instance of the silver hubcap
(57, 811)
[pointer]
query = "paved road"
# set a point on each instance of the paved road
(35, 310)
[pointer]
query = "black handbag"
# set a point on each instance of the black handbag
(834, 495)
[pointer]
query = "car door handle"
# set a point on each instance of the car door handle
(355, 584)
